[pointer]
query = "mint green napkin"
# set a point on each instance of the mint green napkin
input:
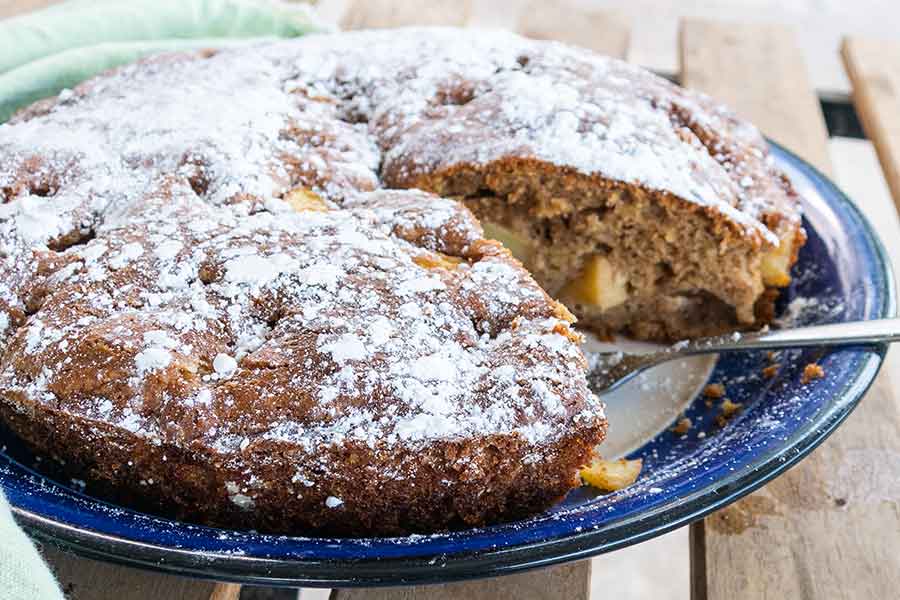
(58, 47)
(23, 575)
(80, 23)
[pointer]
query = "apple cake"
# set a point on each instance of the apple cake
(251, 288)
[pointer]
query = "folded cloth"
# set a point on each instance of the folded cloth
(23, 574)
(78, 23)
(44, 52)
(64, 44)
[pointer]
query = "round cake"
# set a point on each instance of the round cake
(222, 299)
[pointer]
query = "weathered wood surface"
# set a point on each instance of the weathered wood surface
(874, 70)
(758, 71)
(565, 582)
(85, 579)
(830, 527)
(604, 31)
(370, 14)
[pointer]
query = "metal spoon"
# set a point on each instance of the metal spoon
(612, 369)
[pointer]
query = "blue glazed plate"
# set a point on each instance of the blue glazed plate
(842, 275)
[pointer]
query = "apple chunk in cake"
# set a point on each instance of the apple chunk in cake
(644, 263)
(647, 209)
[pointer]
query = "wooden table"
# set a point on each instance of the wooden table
(829, 527)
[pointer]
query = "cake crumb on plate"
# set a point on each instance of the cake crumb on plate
(810, 372)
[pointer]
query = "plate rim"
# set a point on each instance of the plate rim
(502, 560)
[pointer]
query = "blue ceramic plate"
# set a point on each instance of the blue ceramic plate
(842, 275)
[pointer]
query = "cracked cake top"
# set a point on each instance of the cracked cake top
(157, 273)
(198, 248)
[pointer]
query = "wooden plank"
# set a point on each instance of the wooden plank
(225, 591)
(658, 568)
(84, 579)
(372, 14)
(830, 527)
(732, 62)
(606, 31)
(565, 582)
(874, 70)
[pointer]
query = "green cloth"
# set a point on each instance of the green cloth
(23, 575)
(58, 47)
(62, 45)
(81, 23)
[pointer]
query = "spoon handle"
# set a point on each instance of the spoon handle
(836, 334)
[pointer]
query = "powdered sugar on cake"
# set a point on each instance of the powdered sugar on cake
(207, 302)
(157, 278)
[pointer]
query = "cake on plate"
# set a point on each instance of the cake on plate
(259, 287)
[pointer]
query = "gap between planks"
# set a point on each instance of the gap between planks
(828, 528)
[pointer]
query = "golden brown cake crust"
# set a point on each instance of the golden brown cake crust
(211, 307)
(300, 371)
(578, 155)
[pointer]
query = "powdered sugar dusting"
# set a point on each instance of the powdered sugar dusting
(496, 96)
(165, 254)
(281, 307)
(343, 348)
(152, 359)
(151, 241)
